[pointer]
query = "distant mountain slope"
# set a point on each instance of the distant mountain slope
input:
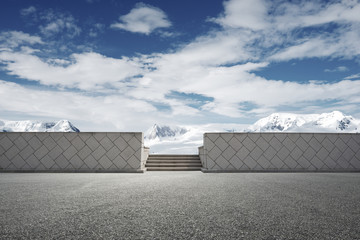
(159, 132)
(171, 139)
(37, 126)
(186, 139)
(181, 139)
(288, 122)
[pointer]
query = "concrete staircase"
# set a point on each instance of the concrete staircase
(167, 162)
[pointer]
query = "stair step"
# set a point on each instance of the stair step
(173, 155)
(173, 168)
(173, 165)
(173, 160)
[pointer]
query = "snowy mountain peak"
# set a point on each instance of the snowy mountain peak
(158, 132)
(37, 126)
(326, 122)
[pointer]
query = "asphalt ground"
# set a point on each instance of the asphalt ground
(180, 205)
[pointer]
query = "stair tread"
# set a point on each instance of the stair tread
(184, 161)
(173, 160)
(173, 155)
(172, 168)
(172, 164)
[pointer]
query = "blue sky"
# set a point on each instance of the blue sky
(111, 65)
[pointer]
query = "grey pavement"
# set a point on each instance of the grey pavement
(180, 205)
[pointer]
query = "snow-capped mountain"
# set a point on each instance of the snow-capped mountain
(182, 139)
(159, 132)
(169, 139)
(287, 122)
(186, 139)
(37, 126)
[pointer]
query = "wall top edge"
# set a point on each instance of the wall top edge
(282, 133)
(73, 132)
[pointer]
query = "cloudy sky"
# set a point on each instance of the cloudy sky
(109, 65)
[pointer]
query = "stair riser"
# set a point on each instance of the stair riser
(172, 161)
(170, 155)
(172, 165)
(167, 162)
(198, 159)
(173, 169)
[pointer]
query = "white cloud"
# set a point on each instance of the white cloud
(220, 65)
(233, 85)
(344, 11)
(52, 22)
(113, 110)
(280, 28)
(216, 66)
(27, 11)
(354, 76)
(56, 23)
(143, 19)
(340, 45)
(13, 39)
(250, 14)
(87, 71)
(337, 69)
(316, 47)
(96, 29)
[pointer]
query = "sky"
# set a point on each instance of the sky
(109, 65)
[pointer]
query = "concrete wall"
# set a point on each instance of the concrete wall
(281, 152)
(144, 156)
(72, 152)
(202, 155)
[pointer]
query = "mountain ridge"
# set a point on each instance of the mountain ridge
(188, 141)
(186, 138)
(164, 131)
(289, 122)
(37, 126)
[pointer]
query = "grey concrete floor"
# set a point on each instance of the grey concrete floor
(180, 205)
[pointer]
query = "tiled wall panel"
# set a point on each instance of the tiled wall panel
(281, 152)
(69, 152)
